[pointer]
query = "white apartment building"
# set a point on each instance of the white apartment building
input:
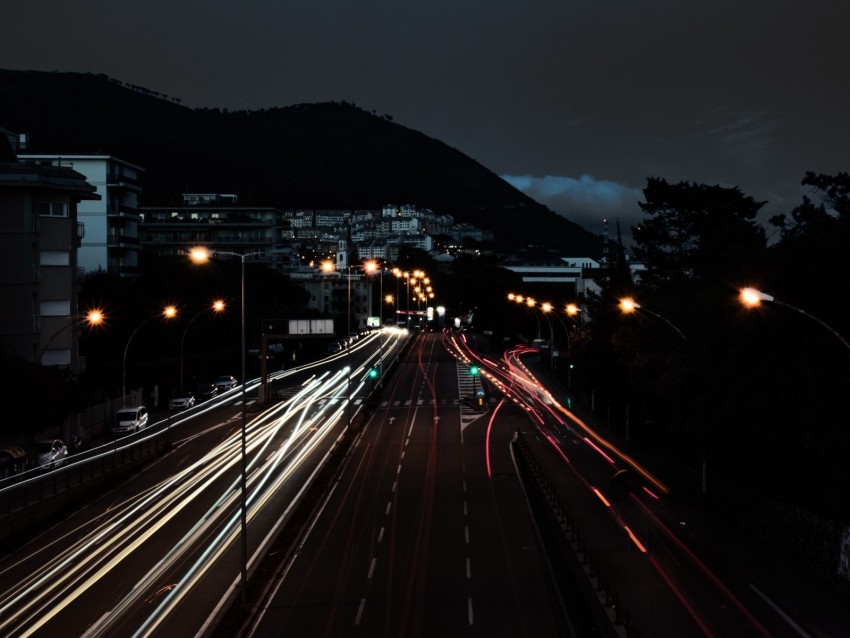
(111, 243)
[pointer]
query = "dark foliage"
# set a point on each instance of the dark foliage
(756, 394)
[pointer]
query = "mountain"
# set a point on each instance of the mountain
(310, 156)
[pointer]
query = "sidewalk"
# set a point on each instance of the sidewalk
(803, 604)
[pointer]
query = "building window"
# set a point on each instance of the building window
(55, 258)
(55, 308)
(53, 209)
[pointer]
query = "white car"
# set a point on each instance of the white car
(50, 453)
(130, 419)
(182, 401)
(225, 382)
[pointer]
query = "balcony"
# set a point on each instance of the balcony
(81, 230)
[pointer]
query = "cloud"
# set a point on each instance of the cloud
(586, 201)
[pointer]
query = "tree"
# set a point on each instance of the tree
(695, 232)
(823, 218)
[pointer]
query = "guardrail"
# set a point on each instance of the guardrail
(27, 500)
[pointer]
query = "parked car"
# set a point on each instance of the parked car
(50, 453)
(205, 391)
(130, 419)
(182, 401)
(334, 347)
(225, 382)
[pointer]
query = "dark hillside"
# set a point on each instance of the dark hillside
(330, 155)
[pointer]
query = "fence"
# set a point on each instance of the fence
(29, 499)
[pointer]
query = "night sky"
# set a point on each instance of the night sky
(577, 102)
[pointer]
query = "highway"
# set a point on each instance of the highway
(657, 569)
(159, 553)
(426, 531)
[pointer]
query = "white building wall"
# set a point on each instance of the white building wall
(92, 254)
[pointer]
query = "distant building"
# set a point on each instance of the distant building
(340, 293)
(543, 269)
(111, 243)
(377, 234)
(216, 221)
(40, 237)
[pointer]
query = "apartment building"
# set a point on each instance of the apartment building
(216, 221)
(40, 237)
(112, 242)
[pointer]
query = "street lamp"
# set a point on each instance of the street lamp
(752, 298)
(398, 275)
(628, 306)
(547, 308)
(217, 306)
(169, 312)
(201, 255)
(371, 267)
(92, 318)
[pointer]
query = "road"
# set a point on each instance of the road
(160, 551)
(426, 532)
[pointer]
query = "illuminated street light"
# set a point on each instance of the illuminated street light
(201, 255)
(91, 319)
(217, 307)
(169, 312)
(628, 305)
(752, 298)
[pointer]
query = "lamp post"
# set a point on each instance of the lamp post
(169, 312)
(202, 255)
(398, 275)
(91, 318)
(328, 267)
(217, 306)
(408, 281)
(752, 298)
(628, 306)
(371, 267)
(547, 308)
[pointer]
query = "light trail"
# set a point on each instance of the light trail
(137, 523)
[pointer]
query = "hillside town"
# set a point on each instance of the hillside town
(69, 216)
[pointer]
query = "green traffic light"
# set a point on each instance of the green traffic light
(473, 370)
(373, 373)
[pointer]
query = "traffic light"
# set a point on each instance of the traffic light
(373, 373)
(473, 370)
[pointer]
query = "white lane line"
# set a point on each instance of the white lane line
(465, 509)
(398, 469)
(372, 568)
(781, 613)
(389, 505)
(469, 606)
(381, 535)
(466, 533)
(360, 611)
(468, 569)
(395, 486)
